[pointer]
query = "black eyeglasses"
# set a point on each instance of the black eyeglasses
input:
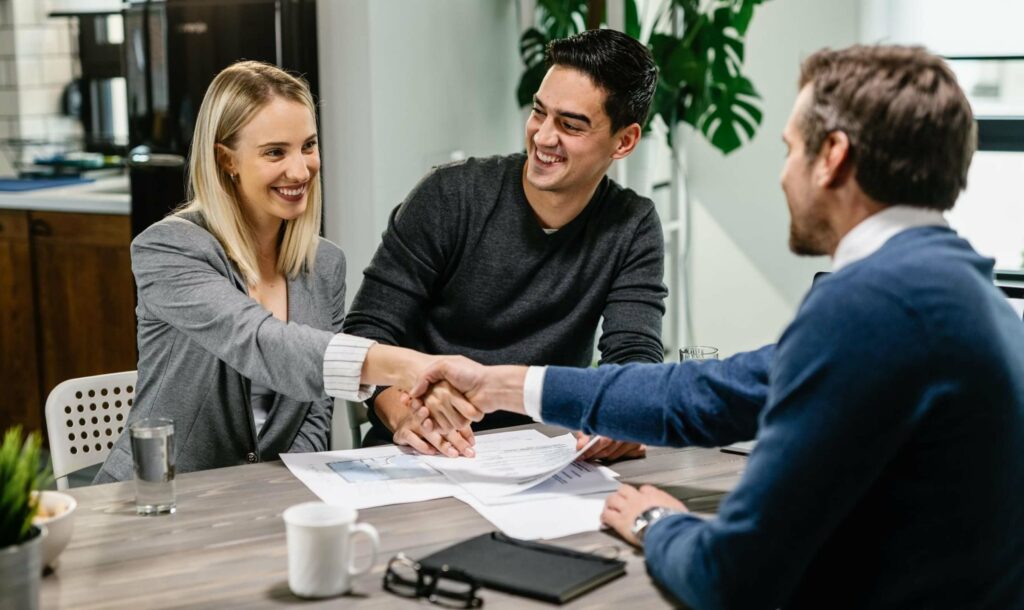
(444, 586)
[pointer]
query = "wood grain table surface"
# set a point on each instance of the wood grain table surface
(225, 545)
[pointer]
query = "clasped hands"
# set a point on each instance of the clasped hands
(435, 416)
(452, 392)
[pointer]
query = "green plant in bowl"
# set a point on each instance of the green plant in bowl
(20, 561)
(20, 475)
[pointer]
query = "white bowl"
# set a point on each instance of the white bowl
(59, 527)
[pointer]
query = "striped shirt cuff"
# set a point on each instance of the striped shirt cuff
(343, 367)
(533, 391)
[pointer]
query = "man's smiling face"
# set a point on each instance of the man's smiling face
(569, 141)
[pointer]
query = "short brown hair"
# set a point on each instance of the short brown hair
(911, 129)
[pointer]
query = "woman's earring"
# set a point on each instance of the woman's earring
(234, 178)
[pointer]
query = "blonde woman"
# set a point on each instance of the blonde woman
(239, 299)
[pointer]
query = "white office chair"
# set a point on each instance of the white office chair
(84, 417)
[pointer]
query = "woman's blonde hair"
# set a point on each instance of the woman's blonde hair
(232, 100)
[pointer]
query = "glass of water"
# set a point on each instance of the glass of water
(153, 460)
(698, 352)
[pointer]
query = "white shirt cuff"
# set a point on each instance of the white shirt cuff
(533, 390)
(343, 367)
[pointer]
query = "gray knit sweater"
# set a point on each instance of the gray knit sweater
(465, 268)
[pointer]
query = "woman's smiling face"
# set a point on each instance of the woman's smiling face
(274, 161)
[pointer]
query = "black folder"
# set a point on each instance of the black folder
(531, 569)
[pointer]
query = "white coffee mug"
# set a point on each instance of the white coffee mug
(321, 557)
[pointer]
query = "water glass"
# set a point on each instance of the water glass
(153, 460)
(698, 352)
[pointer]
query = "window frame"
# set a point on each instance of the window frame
(997, 133)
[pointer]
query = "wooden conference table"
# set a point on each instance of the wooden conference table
(225, 545)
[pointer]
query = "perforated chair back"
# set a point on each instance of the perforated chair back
(84, 417)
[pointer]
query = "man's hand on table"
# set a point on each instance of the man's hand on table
(609, 450)
(623, 507)
(419, 432)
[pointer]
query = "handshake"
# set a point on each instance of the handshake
(434, 413)
(448, 394)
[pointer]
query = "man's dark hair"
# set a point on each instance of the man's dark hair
(911, 129)
(618, 64)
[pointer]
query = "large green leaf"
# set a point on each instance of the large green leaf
(531, 49)
(562, 18)
(678, 64)
(555, 19)
(732, 109)
(703, 84)
(529, 83)
(743, 13)
(632, 20)
(722, 44)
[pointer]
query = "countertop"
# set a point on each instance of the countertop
(107, 195)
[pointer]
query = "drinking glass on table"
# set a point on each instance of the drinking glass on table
(698, 352)
(153, 462)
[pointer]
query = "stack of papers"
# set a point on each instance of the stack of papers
(528, 485)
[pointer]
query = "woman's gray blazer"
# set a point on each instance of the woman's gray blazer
(203, 340)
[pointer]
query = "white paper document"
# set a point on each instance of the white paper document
(544, 519)
(744, 447)
(528, 485)
(363, 478)
(513, 466)
(576, 479)
(379, 476)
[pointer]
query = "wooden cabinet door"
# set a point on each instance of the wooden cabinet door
(85, 295)
(19, 372)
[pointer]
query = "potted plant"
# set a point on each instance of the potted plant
(20, 559)
(698, 46)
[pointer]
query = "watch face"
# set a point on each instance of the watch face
(646, 518)
(639, 524)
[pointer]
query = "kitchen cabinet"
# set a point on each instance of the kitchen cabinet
(71, 313)
(19, 373)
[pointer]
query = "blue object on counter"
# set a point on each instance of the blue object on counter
(15, 185)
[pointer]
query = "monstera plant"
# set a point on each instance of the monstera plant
(554, 19)
(698, 46)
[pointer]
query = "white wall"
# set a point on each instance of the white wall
(746, 284)
(403, 86)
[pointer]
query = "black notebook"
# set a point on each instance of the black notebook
(530, 569)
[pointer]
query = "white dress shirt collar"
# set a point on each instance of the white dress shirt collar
(872, 233)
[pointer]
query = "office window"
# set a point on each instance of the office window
(990, 213)
(995, 88)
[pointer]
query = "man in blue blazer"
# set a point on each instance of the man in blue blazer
(890, 415)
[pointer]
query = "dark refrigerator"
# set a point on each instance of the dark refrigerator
(173, 49)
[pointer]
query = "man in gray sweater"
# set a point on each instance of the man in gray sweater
(516, 259)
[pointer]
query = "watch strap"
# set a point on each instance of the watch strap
(648, 518)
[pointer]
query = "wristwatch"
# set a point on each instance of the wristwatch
(648, 518)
